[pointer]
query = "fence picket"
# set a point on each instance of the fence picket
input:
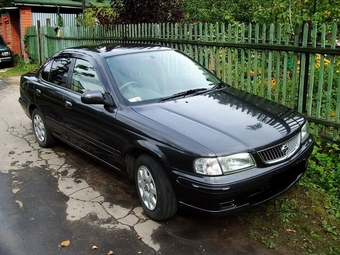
(337, 113)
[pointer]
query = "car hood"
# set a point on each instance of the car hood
(4, 48)
(225, 121)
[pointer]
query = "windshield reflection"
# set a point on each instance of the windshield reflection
(266, 111)
(157, 74)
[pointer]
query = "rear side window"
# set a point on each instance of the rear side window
(56, 72)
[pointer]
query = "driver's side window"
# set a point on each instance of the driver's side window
(85, 78)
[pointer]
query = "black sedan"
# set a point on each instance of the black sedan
(5, 53)
(186, 138)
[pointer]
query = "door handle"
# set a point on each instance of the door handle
(68, 104)
(38, 92)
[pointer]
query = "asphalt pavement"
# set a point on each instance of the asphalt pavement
(48, 196)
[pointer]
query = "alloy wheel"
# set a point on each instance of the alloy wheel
(147, 188)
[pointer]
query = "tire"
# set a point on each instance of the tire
(41, 132)
(154, 189)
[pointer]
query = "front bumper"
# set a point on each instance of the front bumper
(223, 195)
(5, 59)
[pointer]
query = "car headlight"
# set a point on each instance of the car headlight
(207, 166)
(305, 132)
(236, 162)
(6, 53)
(224, 165)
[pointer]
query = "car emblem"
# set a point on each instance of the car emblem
(284, 148)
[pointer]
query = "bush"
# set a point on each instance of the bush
(324, 172)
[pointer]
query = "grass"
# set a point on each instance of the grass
(20, 68)
(298, 223)
(306, 219)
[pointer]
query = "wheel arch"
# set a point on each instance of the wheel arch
(143, 147)
(31, 108)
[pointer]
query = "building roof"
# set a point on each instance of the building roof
(60, 3)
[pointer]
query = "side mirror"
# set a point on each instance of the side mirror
(97, 97)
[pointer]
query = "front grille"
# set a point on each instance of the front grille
(281, 151)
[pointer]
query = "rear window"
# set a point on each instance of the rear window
(57, 71)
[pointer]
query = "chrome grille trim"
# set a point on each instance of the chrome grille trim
(281, 151)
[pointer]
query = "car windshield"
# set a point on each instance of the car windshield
(159, 75)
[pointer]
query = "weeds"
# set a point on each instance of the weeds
(306, 219)
(20, 68)
(324, 174)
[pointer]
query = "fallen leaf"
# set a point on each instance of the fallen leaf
(110, 253)
(65, 243)
(94, 247)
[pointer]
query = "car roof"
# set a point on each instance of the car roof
(104, 50)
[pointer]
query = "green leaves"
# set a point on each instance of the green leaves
(261, 11)
(148, 11)
(324, 171)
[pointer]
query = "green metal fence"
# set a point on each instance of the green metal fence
(298, 67)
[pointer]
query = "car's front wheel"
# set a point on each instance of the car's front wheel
(42, 134)
(154, 189)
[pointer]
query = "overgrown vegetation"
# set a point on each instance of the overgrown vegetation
(148, 11)
(228, 11)
(261, 11)
(305, 220)
(324, 174)
(297, 223)
(20, 67)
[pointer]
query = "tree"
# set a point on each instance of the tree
(296, 11)
(97, 15)
(209, 11)
(148, 11)
(262, 11)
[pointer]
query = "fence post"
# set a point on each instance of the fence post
(39, 43)
(304, 86)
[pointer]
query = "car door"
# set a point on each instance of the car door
(89, 127)
(49, 93)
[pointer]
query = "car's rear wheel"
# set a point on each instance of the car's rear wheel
(154, 189)
(41, 132)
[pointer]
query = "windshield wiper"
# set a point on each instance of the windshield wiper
(190, 92)
(219, 85)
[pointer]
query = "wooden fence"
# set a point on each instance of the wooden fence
(298, 67)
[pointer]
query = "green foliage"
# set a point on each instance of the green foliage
(16, 59)
(20, 67)
(209, 11)
(60, 20)
(133, 12)
(262, 11)
(296, 11)
(212, 11)
(324, 172)
(148, 11)
(97, 15)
